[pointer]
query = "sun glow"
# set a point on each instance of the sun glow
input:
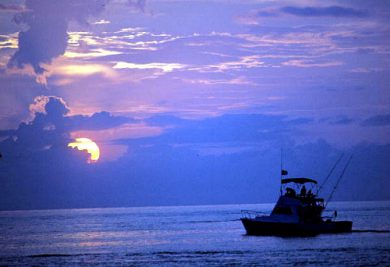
(87, 144)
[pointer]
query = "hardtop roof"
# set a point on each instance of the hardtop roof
(301, 180)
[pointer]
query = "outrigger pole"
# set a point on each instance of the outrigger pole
(338, 181)
(330, 172)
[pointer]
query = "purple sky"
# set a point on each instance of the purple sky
(230, 82)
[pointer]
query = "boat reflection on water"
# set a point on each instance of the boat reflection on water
(295, 214)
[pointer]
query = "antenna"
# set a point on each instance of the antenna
(338, 181)
(330, 172)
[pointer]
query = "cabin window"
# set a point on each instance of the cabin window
(282, 210)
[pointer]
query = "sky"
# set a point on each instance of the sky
(191, 102)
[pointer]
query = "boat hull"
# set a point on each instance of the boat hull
(255, 227)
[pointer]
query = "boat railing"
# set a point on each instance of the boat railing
(250, 214)
(327, 218)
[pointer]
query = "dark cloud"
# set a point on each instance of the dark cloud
(46, 36)
(47, 21)
(6, 133)
(300, 121)
(38, 170)
(267, 13)
(338, 120)
(56, 108)
(379, 120)
(342, 121)
(97, 121)
(226, 128)
(51, 127)
(47, 130)
(331, 11)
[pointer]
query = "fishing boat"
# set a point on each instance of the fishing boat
(298, 212)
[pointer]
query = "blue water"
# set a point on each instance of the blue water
(190, 235)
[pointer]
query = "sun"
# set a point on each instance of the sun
(87, 144)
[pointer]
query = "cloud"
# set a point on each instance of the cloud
(8, 41)
(241, 80)
(12, 8)
(46, 130)
(311, 63)
(92, 53)
(65, 71)
(176, 159)
(102, 21)
(244, 62)
(231, 128)
(338, 120)
(170, 167)
(97, 121)
(253, 18)
(47, 104)
(47, 21)
(311, 11)
(165, 67)
(366, 70)
(46, 37)
(331, 11)
(83, 69)
(105, 133)
(52, 126)
(379, 120)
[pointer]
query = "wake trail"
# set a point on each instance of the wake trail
(372, 231)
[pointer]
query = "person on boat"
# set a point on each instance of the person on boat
(303, 191)
(290, 192)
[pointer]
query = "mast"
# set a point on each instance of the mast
(283, 172)
(281, 169)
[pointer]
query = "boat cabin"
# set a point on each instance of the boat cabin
(298, 200)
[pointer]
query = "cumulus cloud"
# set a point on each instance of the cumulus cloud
(45, 131)
(52, 126)
(48, 104)
(47, 21)
(46, 36)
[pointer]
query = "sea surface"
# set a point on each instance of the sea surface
(186, 235)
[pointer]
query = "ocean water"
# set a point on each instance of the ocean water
(188, 235)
